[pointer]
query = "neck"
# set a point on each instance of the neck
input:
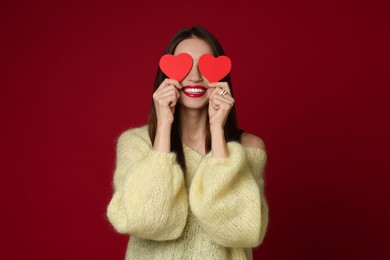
(193, 125)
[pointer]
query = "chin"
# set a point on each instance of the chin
(193, 103)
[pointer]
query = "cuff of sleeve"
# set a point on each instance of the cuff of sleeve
(235, 158)
(166, 158)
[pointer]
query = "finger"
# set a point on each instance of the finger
(173, 82)
(222, 85)
(224, 99)
(218, 91)
(168, 100)
(228, 97)
(222, 105)
(164, 92)
(173, 93)
(213, 91)
(214, 104)
(169, 88)
(169, 82)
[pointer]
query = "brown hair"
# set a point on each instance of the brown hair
(231, 130)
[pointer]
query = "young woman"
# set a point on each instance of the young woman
(189, 184)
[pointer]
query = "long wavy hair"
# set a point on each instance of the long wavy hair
(231, 130)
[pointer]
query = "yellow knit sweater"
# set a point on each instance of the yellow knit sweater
(216, 210)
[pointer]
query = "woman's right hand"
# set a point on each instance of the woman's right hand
(165, 98)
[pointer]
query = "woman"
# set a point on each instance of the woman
(189, 185)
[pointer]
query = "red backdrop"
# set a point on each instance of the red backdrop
(309, 78)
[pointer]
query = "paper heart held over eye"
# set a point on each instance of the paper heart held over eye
(214, 69)
(176, 67)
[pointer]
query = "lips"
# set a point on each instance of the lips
(194, 91)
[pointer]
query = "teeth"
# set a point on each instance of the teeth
(194, 90)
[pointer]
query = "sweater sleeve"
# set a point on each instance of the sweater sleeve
(257, 162)
(226, 198)
(150, 200)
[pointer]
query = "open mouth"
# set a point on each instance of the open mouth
(194, 91)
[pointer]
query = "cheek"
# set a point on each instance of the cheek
(205, 80)
(181, 96)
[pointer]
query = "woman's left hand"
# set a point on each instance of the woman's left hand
(220, 104)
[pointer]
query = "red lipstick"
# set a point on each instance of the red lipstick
(194, 91)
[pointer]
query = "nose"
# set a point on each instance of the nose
(194, 75)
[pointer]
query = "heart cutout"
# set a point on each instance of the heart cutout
(176, 67)
(214, 69)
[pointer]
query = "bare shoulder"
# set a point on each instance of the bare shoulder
(250, 140)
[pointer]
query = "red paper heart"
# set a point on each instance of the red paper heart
(176, 67)
(214, 69)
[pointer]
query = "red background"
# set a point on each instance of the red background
(309, 78)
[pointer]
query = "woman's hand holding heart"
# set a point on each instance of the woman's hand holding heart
(165, 99)
(220, 104)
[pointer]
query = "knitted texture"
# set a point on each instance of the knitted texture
(217, 210)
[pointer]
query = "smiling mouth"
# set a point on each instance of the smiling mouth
(194, 91)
